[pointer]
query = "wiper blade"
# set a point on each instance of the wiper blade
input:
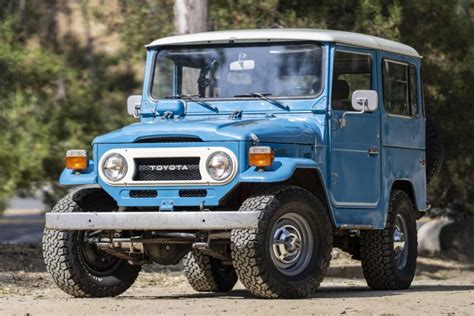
(192, 98)
(265, 97)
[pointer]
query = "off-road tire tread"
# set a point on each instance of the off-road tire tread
(377, 254)
(198, 269)
(247, 252)
(62, 264)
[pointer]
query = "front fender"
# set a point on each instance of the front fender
(282, 169)
(70, 177)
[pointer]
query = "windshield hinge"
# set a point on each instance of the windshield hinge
(168, 115)
(236, 115)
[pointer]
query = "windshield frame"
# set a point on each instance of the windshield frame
(324, 54)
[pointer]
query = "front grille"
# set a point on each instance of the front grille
(192, 193)
(167, 169)
(143, 194)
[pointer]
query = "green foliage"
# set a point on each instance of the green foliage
(29, 78)
(58, 93)
(139, 23)
(442, 33)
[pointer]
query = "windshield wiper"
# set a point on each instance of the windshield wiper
(265, 97)
(191, 98)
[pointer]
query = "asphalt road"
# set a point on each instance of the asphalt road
(21, 228)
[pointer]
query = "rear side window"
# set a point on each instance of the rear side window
(400, 88)
(422, 93)
(413, 90)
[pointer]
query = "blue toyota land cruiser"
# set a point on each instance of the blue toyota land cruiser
(255, 153)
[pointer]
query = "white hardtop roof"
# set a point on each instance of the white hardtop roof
(274, 35)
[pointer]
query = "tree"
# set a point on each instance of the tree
(58, 92)
(54, 96)
(442, 33)
(190, 16)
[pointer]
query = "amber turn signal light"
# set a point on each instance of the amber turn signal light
(260, 156)
(77, 159)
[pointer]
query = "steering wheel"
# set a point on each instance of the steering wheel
(204, 82)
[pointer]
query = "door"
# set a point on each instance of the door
(355, 145)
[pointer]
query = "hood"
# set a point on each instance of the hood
(272, 129)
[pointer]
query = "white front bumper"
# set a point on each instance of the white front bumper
(152, 220)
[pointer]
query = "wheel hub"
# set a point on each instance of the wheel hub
(400, 239)
(287, 244)
(291, 244)
(97, 262)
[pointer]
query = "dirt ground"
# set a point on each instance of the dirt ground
(442, 286)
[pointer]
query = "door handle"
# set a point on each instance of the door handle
(373, 151)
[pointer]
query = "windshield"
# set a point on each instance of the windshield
(238, 71)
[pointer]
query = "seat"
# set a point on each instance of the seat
(316, 86)
(340, 95)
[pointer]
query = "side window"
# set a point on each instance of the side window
(352, 72)
(163, 78)
(400, 88)
(413, 91)
(422, 93)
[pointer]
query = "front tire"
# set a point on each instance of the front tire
(208, 274)
(288, 254)
(389, 256)
(78, 267)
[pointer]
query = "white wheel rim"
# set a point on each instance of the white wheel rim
(291, 244)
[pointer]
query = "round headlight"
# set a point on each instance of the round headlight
(219, 166)
(114, 167)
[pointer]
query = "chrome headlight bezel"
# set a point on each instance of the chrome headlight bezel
(122, 171)
(228, 169)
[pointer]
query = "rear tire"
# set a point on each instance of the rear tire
(288, 254)
(77, 267)
(434, 151)
(389, 255)
(208, 274)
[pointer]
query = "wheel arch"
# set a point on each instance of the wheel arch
(407, 187)
(311, 179)
(83, 196)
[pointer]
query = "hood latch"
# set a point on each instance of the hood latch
(236, 115)
(168, 115)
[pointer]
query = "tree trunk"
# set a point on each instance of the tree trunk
(85, 7)
(190, 16)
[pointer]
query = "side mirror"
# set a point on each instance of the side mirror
(362, 101)
(365, 100)
(134, 103)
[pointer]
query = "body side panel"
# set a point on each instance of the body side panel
(403, 141)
